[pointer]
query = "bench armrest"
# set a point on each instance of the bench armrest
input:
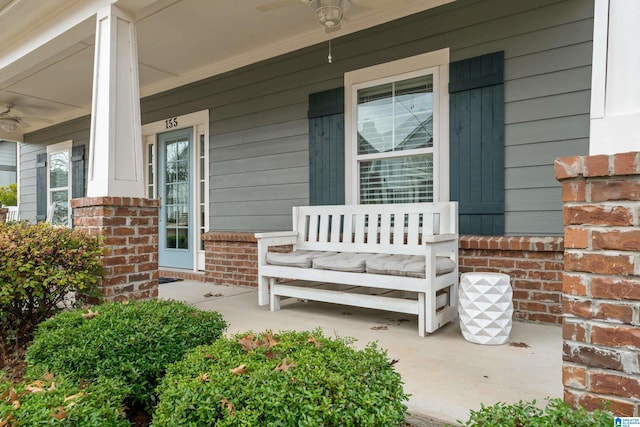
(276, 238)
(440, 238)
(276, 234)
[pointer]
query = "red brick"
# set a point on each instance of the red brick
(574, 284)
(573, 191)
(608, 190)
(614, 312)
(594, 357)
(617, 240)
(124, 269)
(568, 167)
(533, 306)
(592, 402)
(599, 263)
(546, 297)
(616, 385)
(123, 231)
(544, 318)
(596, 165)
(574, 376)
(626, 163)
(578, 308)
(618, 288)
(114, 260)
(501, 263)
(526, 284)
(616, 336)
(577, 238)
(597, 215)
(574, 330)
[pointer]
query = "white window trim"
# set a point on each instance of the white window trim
(402, 69)
(199, 123)
(59, 148)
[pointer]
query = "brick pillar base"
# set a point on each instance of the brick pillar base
(534, 265)
(130, 228)
(231, 258)
(601, 284)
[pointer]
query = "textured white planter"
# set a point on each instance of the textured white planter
(486, 308)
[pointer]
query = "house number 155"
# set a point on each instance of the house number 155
(171, 123)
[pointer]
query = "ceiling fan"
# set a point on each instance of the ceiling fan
(10, 121)
(329, 13)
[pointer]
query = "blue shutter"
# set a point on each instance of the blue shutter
(326, 147)
(41, 187)
(77, 171)
(476, 97)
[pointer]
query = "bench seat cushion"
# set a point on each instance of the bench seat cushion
(344, 261)
(407, 265)
(302, 259)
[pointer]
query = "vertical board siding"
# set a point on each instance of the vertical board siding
(326, 147)
(260, 111)
(477, 143)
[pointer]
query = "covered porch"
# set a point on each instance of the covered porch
(445, 375)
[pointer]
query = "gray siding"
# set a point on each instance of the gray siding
(77, 131)
(259, 127)
(7, 162)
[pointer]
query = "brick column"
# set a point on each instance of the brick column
(3, 214)
(130, 228)
(601, 283)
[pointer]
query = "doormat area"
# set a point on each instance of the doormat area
(169, 280)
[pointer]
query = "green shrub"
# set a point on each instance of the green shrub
(9, 195)
(556, 413)
(41, 265)
(289, 379)
(56, 401)
(132, 342)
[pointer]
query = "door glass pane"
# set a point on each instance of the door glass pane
(61, 212)
(176, 185)
(59, 170)
(397, 180)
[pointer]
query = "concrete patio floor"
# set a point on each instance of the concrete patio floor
(445, 375)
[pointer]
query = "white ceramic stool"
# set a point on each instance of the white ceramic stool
(486, 307)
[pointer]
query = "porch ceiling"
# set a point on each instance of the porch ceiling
(46, 48)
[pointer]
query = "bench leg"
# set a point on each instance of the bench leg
(275, 299)
(431, 317)
(421, 314)
(263, 290)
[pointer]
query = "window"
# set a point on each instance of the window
(397, 131)
(59, 182)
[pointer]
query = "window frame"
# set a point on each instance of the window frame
(435, 63)
(60, 147)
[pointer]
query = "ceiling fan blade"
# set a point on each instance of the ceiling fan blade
(277, 4)
(23, 123)
(36, 119)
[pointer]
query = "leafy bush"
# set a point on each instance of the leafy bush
(556, 413)
(41, 265)
(56, 401)
(9, 195)
(132, 342)
(289, 379)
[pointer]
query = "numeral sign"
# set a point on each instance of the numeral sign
(171, 123)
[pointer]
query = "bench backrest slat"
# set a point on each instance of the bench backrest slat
(395, 228)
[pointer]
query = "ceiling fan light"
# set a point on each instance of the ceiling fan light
(8, 125)
(329, 12)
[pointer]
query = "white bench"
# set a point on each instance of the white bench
(394, 249)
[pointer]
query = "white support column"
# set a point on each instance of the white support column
(615, 86)
(115, 153)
